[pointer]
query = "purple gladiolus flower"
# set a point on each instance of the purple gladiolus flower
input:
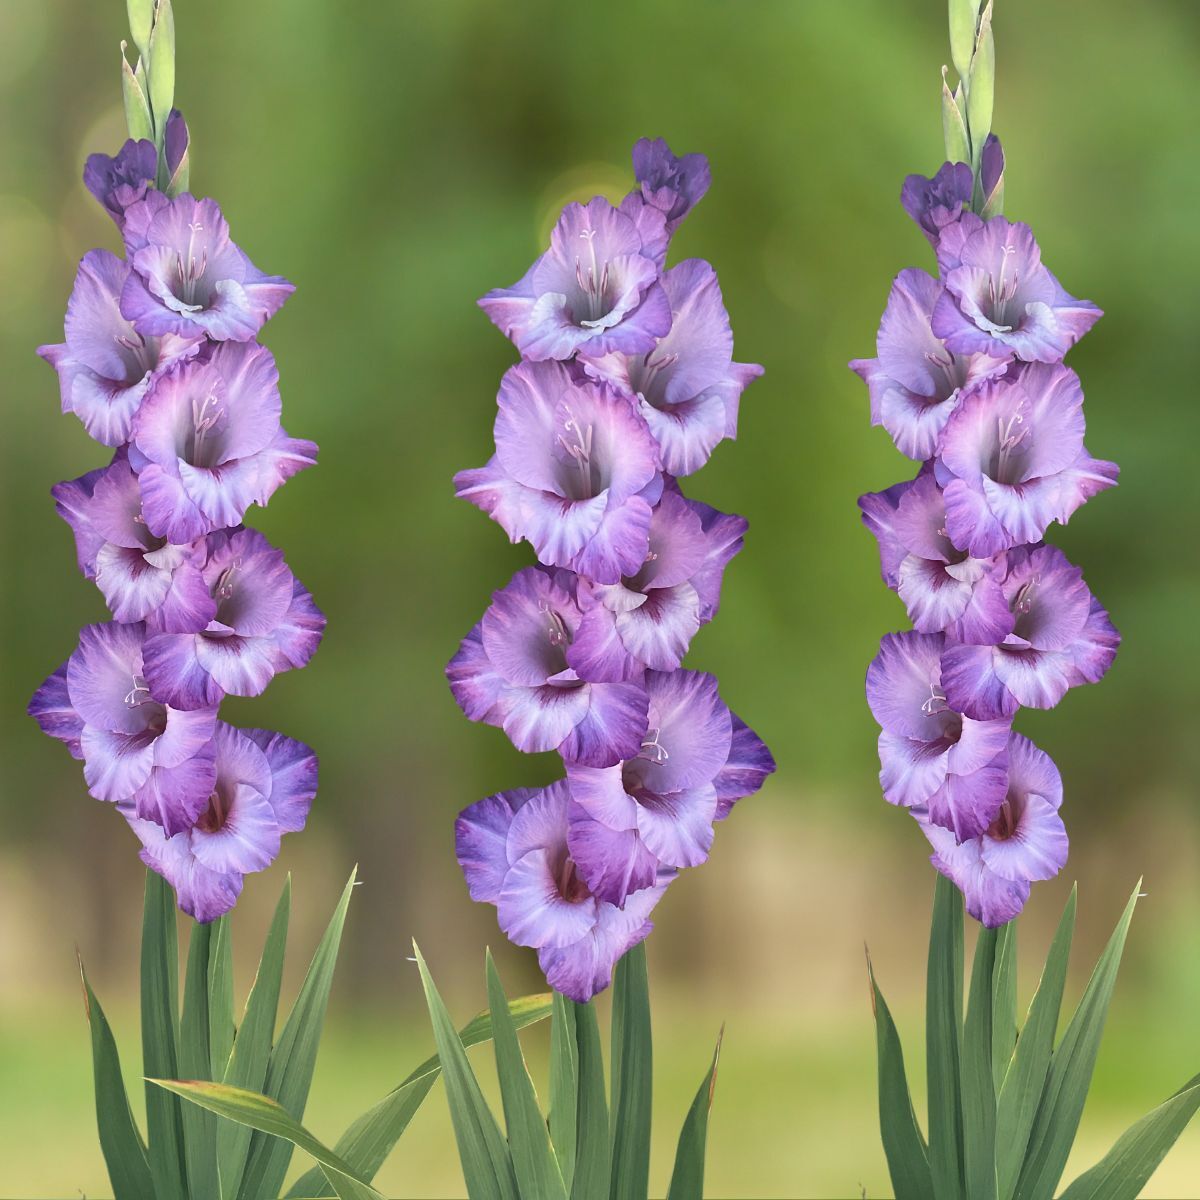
(595, 291)
(142, 577)
(943, 588)
(105, 367)
(1061, 638)
(935, 203)
(647, 620)
(117, 183)
(1000, 299)
(1012, 460)
(696, 760)
(263, 787)
(1026, 841)
(135, 748)
(576, 472)
(207, 442)
(188, 278)
(512, 671)
(934, 758)
(674, 185)
(916, 382)
(688, 387)
(265, 622)
(513, 851)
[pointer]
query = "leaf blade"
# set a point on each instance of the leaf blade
(687, 1175)
(978, 1088)
(593, 1165)
(943, 1026)
(564, 1086)
(199, 1126)
(631, 1078)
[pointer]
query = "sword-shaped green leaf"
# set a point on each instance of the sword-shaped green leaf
(533, 1159)
(486, 1163)
(195, 1062)
(1025, 1078)
(943, 1041)
(593, 1163)
(1126, 1168)
(632, 1077)
(120, 1141)
(978, 1088)
(564, 1086)
(160, 1026)
(246, 1064)
(220, 997)
(372, 1137)
(271, 1119)
(1004, 1003)
(903, 1144)
(1070, 1074)
(290, 1069)
(687, 1176)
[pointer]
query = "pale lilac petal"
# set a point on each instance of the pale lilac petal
(611, 730)
(689, 721)
(294, 773)
(115, 764)
(601, 795)
(972, 685)
(1037, 849)
(239, 666)
(597, 653)
(52, 709)
(480, 837)
(612, 862)
(175, 673)
(967, 804)
(174, 797)
(678, 828)
(746, 769)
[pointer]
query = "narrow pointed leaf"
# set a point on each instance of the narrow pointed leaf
(903, 1144)
(1126, 1168)
(195, 1058)
(220, 997)
(593, 1164)
(137, 106)
(371, 1138)
(486, 1164)
(564, 1086)
(687, 1176)
(246, 1066)
(1025, 1078)
(141, 19)
(533, 1160)
(943, 1038)
(160, 1025)
(268, 1117)
(978, 1088)
(632, 1073)
(120, 1141)
(292, 1061)
(1004, 1003)
(964, 16)
(954, 126)
(1070, 1073)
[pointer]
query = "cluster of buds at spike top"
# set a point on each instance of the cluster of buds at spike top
(626, 382)
(969, 381)
(161, 363)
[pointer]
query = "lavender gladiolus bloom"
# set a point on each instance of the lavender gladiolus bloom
(935, 203)
(647, 620)
(117, 183)
(916, 382)
(207, 442)
(105, 366)
(513, 850)
(576, 472)
(932, 757)
(595, 291)
(658, 809)
(1012, 460)
(1000, 299)
(265, 622)
(1061, 638)
(134, 747)
(688, 387)
(263, 787)
(142, 577)
(943, 588)
(512, 671)
(674, 185)
(188, 278)
(1026, 842)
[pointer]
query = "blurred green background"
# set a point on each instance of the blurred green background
(396, 160)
